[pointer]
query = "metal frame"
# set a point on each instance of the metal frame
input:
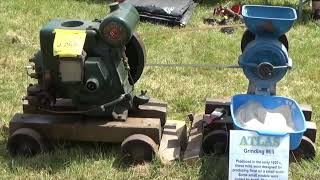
(197, 133)
(148, 119)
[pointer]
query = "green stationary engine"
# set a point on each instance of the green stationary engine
(92, 64)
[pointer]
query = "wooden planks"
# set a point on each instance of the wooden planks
(194, 148)
(174, 138)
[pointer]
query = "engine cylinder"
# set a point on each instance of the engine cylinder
(116, 29)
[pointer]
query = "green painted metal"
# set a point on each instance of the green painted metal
(104, 67)
(126, 17)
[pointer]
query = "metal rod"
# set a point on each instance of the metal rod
(157, 33)
(216, 66)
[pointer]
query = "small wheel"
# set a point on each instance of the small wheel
(139, 147)
(306, 149)
(25, 142)
(248, 36)
(216, 142)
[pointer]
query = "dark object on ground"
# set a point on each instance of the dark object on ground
(171, 12)
(227, 30)
(233, 12)
(211, 21)
(217, 21)
(227, 16)
(316, 14)
(221, 22)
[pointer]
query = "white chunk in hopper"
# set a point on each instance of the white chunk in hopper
(253, 116)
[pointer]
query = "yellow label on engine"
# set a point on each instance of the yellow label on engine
(68, 43)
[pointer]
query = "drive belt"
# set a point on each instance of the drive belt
(172, 31)
(205, 66)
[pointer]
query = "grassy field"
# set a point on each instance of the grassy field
(185, 90)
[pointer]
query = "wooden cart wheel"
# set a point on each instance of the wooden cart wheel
(215, 142)
(139, 147)
(248, 36)
(25, 142)
(306, 150)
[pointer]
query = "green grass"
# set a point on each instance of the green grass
(185, 90)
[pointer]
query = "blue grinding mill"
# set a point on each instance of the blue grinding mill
(265, 58)
(265, 61)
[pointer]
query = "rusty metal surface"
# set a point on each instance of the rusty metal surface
(212, 103)
(25, 141)
(86, 129)
(145, 120)
(157, 103)
(139, 147)
(306, 150)
(61, 105)
(153, 109)
(216, 142)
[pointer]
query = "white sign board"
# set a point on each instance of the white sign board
(256, 157)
